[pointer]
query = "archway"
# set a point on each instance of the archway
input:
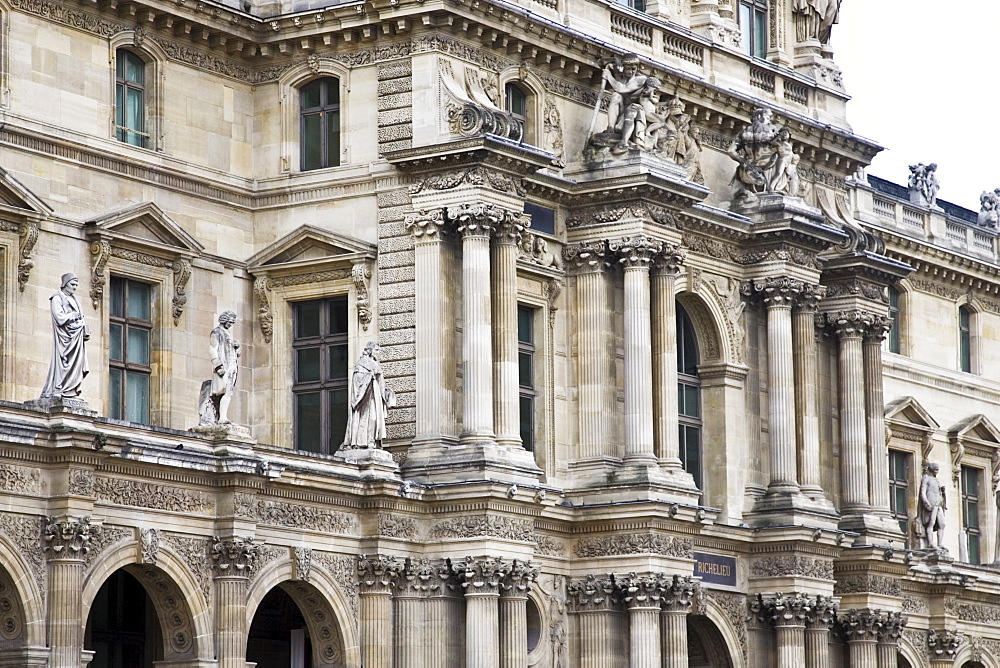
(706, 645)
(294, 626)
(123, 629)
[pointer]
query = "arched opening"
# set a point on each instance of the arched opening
(706, 646)
(534, 624)
(901, 662)
(278, 635)
(969, 664)
(688, 396)
(123, 630)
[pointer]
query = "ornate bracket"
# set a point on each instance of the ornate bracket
(361, 273)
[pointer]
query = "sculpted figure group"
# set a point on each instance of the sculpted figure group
(989, 213)
(766, 160)
(923, 184)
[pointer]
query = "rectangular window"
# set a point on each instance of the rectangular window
(319, 123)
(894, 314)
(970, 511)
(321, 369)
(130, 91)
(543, 219)
(965, 339)
(129, 331)
(526, 374)
(753, 27)
(899, 483)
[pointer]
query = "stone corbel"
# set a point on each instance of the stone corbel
(182, 272)
(361, 273)
(100, 253)
(27, 233)
(261, 290)
(469, 111)
(957, 454)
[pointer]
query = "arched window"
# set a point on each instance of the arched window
(130, 98)
(319, 125)
(688, 396)
(893, 337)
(965, 353)
(516, 102)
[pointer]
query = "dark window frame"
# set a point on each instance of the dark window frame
(690, 423)
(120, 410)
(123, 84)
(895, 313)
(971, 479)
(756, 11)
(330, 437)
(899, 487)
(527, 394)
(325, 110)
(965, 317)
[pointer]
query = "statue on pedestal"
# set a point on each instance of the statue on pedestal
(814, 19)
(767, 161)
(368, 401)
(932, 506)
(217, 393)
(989, 211)
(923, 184)
(69, 331)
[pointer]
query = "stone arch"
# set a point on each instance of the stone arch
(971, 652)
(540, 655)
(180, 604)
(288, 103)
(322, 604)
(707, 316)
(734, 644)
(910, 653)
(22, 609)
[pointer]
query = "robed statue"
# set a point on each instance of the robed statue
(69, 332)
(217, 393)
(368, 400)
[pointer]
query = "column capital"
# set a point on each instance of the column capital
(859, 625)
(878, 328)
(234, 556)
(823, 613)
(943, 645)
(669, 259)
(849, 323)
(810, 297)
(518, 580)
(642, 591)
(637, 252)
(425, 225)
(419, 578)
(478, 219)
(377, 574)
(774, 291)
(783, 609)
(481, 575)
(680, 594)
(585, 257)
(593, 594)
(511, 230)
(891, 626)
(68, 537)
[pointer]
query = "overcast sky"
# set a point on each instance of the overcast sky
(924, 82)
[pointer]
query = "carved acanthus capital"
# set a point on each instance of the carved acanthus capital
(784, 609)
(477, 219)
(943, 645)
(69, 537)
(511, 229)
(585, 257)
(420, 577)
(669, 259)
(810, 296)
(860, 625)
(891, 626)
(425, 225)
(635, 252)
(774, 290)
(642, 591)
(234, 557)
(822, 614)
(378, 574)
(849, 323)
(519, 578)
(593, 594)
(681, 594)
(483, 575)
(877, 330)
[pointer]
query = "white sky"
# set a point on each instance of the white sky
(924, 82)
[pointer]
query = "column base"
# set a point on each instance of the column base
(372, 462)
(603, 482)
(470, 461)
(776, 509)
(872, 529)
(56, 405)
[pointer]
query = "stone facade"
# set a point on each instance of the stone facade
(536, 208)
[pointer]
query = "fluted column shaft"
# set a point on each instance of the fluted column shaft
(595, 365)
(409, 630)
(65, 611)
(505, 368)
(878, 471)
(482, 630)
(853, 453)
(862, 653)
(791, 643)
(644, 636)
(886, 654)
(806, 380)
(665, 435)
(596, 643)
(230, 620)
(513, 631)
(445, 638)
(638, 364)
(673, 638)
(781, 395)
(817, 641)
(376, 628)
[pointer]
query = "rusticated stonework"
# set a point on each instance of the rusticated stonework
(194, 553)
(769, 567)
(278, 513)
(510, 528)
(396, 527)
(606, 546)
(20, 479)
(148, 495)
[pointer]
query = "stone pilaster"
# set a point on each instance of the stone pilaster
(943, 646)
(377, 577)
(507, 237)
(878, 471)
(819, 619)
(596, 602)
(664, 305)
(595, 366)
(635, 255)
(860, 627)
(232, 559)
(514, 614)
(890, 628)
(643, 595)
(66, 542)
(416, 582)
(677, 601)
(806, 381)
(481, 579)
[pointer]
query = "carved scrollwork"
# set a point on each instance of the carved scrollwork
(603, 546)
(233, 556)
(480, 219)
(483, 575)
(944, 644)
(593, 593)
(849, 323)
(361, 273)
(636, 252)
(68, 538)
(149, 539)
(261, 290)
(519, 578)
(302, 560)
(396, 527)
(148, 495)
(182, 273)
(100, 252)
(279, 513)
(20, 479)
(586, 257)
(27, 233)
(769, 567)
(860, 624)
(425, 225)
(473, 526)
(377, 574)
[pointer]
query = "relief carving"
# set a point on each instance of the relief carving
(20, 479)
(277, 513)
(265, 555)
(552, 126)
(27, 234)
(485, 574)
(182, 272)
(148, 495)
(378, 573)
(735, 608)
(23, 533)
(727, 291)
(68, 538)
(81, 482)
(605, 546)
(302, 560)
(314, 607)
(344, 571)
(170, 600)
(233, 556)
(245, 505)
(361, 273)
(485, 525)
(261, 289)
(100, 251)
(194, 553)
(101, 542)
(860, 584)
(770, 567)
(396, 527)
(548, 546)
(473, 176)
(149, 539)
(11, 617)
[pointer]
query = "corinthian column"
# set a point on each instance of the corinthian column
(878, 471)
(806, 380)
(475, 223)
(677, 599)
(643, 594)
(505, 368)
(819, 619)
(943, 646)
(595, 358)
(635, 255)
(514, 615)
(788, 615)
(860, 627)
(890, 628)
(65, 543)
(596, 602)
(850, 327)
(232, 560)
(445, 620)
(376, 579)
(481, 579)
(415, 583)
(434, 401)
(665, 438)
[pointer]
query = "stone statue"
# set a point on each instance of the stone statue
(767, 161)
(932, 507)
(217, 393)
(923, 184)
(814, 19)
(989, 212)
(69, 330)
(368, 400)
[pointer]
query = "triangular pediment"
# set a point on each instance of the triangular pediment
(146, 225)
(908, 411)
(311, 245)
(14, 195)
(977, 427)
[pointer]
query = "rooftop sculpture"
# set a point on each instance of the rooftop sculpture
(767, 160)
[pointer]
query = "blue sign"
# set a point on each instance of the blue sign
(715, 569)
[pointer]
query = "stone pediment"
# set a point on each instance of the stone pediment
(20, 210)
(147, 226)
(976, 427)
(977, 437)
(309, 247)
(16, 198)
(908, 412)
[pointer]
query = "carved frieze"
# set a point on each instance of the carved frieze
(781, 566)
(244, 505)
(233, 556)
(605, 546)
(149, 495)
(548, 546)
(735, 253)
(605, 214)
(394, 526)
(68, 538)
(861, 584)
(20, 479)
(859, 288)
(81, 482)
(510, 528)
(935, 288)
(913, 604)
(195, 553)
(472, 176)
(279, 513)
(973, 612)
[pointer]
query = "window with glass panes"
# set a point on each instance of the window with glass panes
(893, 336)
(753, 26)
(130, 94)
(899, 485)
(320, 372)
(688, 396)
(130, 328)
(526, 374)
(319, 128)
(965, 339)
(516, 101)
(970, 511)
